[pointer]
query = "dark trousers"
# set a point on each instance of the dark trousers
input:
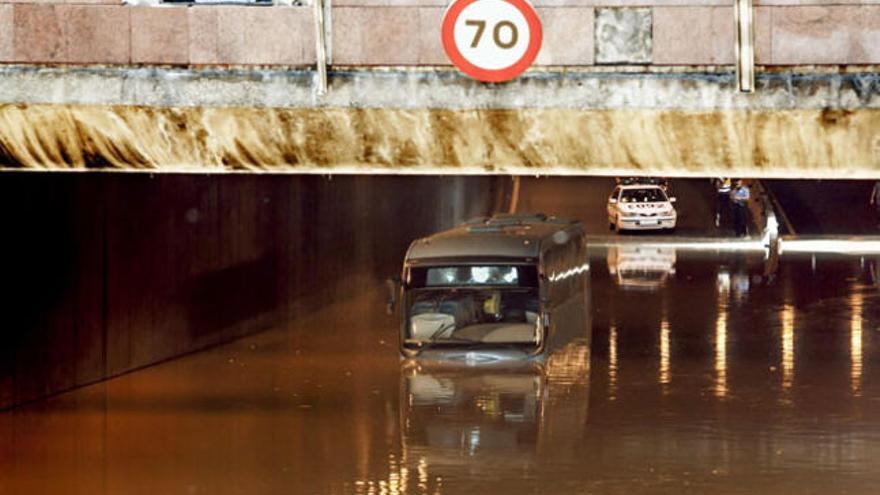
(722, 205)
(740, 219)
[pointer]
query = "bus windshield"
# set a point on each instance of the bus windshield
(472, 315)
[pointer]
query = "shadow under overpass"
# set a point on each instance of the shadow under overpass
(104, 274)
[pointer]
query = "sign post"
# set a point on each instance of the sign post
(491, 40)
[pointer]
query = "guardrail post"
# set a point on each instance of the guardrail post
(321, 47)
(745, 45)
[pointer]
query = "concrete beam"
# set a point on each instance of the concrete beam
(818, 143)
(620, 87)
(633, 121)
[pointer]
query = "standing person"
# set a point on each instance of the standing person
(740, 197)
(722, 199)
(874, 271)
(875, 202)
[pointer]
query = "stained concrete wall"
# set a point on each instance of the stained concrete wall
(103, 274)
(774, 142)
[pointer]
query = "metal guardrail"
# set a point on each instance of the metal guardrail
(786, 226)
(830, 244)
(764, 216)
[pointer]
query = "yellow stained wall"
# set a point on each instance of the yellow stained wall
(757, 143)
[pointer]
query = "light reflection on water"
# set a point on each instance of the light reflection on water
(612, 363)
(788, 321)
(720, 388)
(663, 377)
(855, 343)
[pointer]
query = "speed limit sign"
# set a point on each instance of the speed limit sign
(491, 40)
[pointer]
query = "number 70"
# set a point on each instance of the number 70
(496, 33)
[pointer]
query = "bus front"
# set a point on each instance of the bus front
(475, 312)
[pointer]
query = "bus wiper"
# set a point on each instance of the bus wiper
(430, 344)
(457, 340)
(440, 331)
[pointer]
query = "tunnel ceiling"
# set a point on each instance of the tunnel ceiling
(671, 123)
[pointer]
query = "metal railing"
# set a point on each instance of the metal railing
(763, 215)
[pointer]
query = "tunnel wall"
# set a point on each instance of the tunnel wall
(107, 273)
(822, 207)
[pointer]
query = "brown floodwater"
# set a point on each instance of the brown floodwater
(707, 373)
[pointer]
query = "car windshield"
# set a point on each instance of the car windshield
(646, 195)
(472, 316)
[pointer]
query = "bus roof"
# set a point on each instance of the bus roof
(501, 236)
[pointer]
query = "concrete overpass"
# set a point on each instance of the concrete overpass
(246, 311)
(618, 87)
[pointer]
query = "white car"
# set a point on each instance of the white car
(641, 207)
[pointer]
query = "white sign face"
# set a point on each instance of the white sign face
(492, 34)
(491, 40)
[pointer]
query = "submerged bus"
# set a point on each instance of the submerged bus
(498, 288)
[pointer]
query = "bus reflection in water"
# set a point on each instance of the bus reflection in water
(493, 289)
(513, 415)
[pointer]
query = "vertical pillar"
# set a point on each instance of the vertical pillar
(321, 46)
(745, 45)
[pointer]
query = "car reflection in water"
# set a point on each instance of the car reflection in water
(641, 267)
(510, 415)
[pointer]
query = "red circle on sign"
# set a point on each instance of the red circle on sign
(492, 75)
